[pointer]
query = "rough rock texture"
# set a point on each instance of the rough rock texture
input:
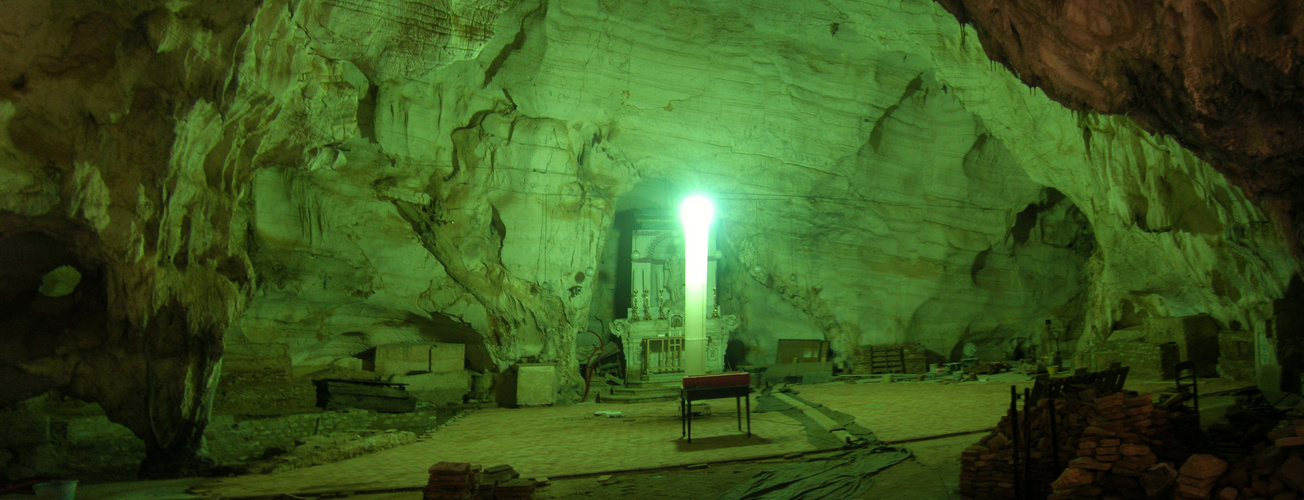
(100, 115)
(1221, 76)
(130, 136)
(338, 175)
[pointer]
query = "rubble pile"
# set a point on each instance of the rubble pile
(1273, 470)
(1117, 453)
(466, 481)
(1110, 446)
(987, 469)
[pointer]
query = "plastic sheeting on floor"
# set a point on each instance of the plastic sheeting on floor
(848, 474)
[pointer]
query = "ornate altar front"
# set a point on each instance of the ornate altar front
(654, 347)
(652, 331)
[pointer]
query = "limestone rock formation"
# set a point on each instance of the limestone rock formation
(1220, 76)
(334, 176)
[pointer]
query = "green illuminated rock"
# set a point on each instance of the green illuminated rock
(336, 176)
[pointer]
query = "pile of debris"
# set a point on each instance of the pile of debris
(1275, 469)
(1095, 446)
(989, 468)
(1116, 453)
(466, 481)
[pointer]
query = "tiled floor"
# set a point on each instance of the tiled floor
(570, 440)
(550, 441)
(904, 411)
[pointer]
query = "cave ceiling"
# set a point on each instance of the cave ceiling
(1222, 76)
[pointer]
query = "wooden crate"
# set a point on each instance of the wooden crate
(907, 358)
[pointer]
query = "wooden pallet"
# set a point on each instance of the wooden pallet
(908, 358)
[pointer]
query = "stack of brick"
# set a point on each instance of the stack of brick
(464, 481)
(1274, 469)
(1198, 476)
(1114, 445)
(453, 481)
(1116, 453)
(987, 468)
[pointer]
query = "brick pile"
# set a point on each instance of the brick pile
(1198, 476)
(453, 481)
(1273, 470)
(465, 481)
(1116, 453)
(1113, 446)
(987, 469)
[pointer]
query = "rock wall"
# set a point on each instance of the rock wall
(339, 175)
(103, 173)
(1220, 76)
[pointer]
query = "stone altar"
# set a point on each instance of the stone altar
(660, 364)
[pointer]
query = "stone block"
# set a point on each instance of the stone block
(536, 384)
(1290, 441)
(256, 357)
(402, 359)
(1201, 466)
(1072, 478)
(97, 428)
(437, 388)
(446, 358)
(1089, 463)
(1291, 472)
(1134, 449)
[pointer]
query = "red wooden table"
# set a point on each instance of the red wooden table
(724, 385)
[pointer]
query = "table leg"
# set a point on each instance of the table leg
(688, 417)
(749, 415)
(738, 407)
(682, 429)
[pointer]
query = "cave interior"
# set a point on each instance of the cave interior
(231, 232)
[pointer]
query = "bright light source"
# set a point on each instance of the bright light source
(696, 214)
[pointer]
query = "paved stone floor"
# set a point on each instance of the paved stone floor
(906, 411)
(569, 441)
(548, 441)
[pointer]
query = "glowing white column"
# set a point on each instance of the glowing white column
(696, 214)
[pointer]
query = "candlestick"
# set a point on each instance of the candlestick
(645, 302)
(716, 297)
(662, 308)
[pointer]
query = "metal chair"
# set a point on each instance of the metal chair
(1188, 385)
